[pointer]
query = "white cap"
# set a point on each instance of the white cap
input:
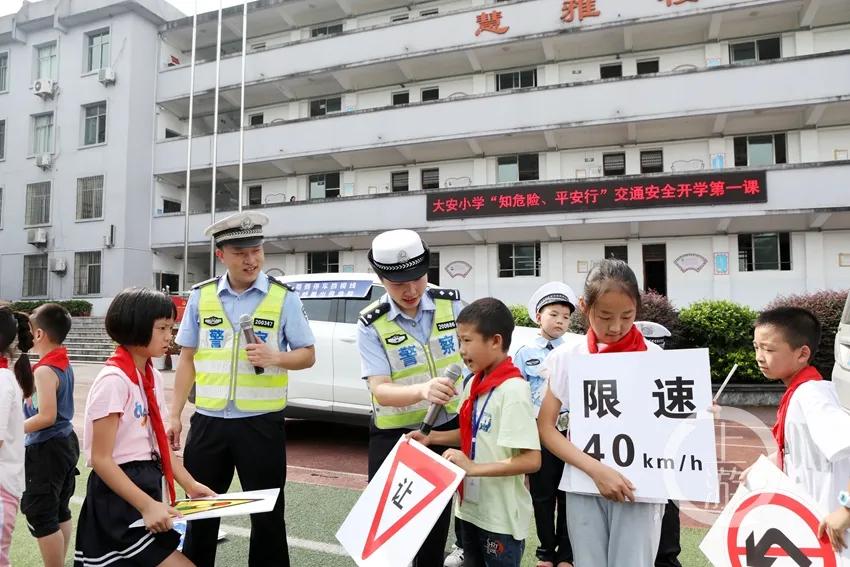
(549, 293)
(399, 255)
(242, 230)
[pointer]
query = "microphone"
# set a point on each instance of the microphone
(453, 373)
(251, 338)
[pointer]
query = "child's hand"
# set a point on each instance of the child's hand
(419, 436)
(457, 457)
(157, 516)
(439, 390)
(715, 408)
(612, 485)
(834, 526)
(198, 490)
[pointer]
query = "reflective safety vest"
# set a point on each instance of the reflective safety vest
(222, 369)
(412, 362)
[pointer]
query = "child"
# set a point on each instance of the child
(612, 529)
(497, 438)
(837, 523)
(809, 415)
(14, 387)
(52, 448)
(125, 444)
(551, 307)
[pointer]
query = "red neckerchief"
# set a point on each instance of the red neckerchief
(481, 385)
(4, 362)
(123, 360)
(58, 358)
(807, 374)
(631, 342)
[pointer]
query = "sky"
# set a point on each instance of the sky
(186, 6)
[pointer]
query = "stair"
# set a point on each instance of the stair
(87, 341)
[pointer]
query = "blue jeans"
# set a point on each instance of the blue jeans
(487, 549)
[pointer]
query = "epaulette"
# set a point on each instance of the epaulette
(373, 312)
(207, 282)
(439, 293)
(280, 283)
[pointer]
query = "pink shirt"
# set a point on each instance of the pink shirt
(113, 392)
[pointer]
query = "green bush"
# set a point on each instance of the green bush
(76, 307)
(827, 306)
(726, 329)
(521, 318)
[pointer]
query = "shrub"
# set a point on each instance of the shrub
(827, 306)
(76, 307)
(521, 318)
(654, 307)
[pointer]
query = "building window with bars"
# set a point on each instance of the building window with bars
(97, 50)
(94, 124)
(759, 50)
(87, 273)
(46, 61)
(324, 185)
(519, 167)
(652, 161)
(37, 211)
(256, 119)
(519, 259)
(764, 251)
(614, 164)
(610, 70)
(322, 106)
(399, 181)
(90, 197)
(255, 195)
(431, 178)
(42, 134)
(430, 93)
(617, 252)
(2, 139)
(402, 97)
(323, 262)
(516, 79)
(35, 275)
(320, 31)
(647, 66)
(4, 72)
(757, 151)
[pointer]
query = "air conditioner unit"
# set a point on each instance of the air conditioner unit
(106, 76)
(44, 161)
(58, 265)
(37, 236)
(45, 88)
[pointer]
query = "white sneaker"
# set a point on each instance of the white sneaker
(455, 558)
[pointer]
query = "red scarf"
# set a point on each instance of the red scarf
(631, 342)
(481, 385)
(123, 360)
(4, 362)
(58, 358)
(807, 374)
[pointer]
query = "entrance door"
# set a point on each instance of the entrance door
(655, 268)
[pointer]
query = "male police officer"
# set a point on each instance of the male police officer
(407, 339)
(239, 411)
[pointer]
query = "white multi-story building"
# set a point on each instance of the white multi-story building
(705, 141)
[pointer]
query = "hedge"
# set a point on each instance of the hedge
(76, 307)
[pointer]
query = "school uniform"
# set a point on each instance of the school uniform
(103, 533)
(603, 533)
(11, 457)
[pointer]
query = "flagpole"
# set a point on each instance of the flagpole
(215, 135)
(189, 152)
(242, 98)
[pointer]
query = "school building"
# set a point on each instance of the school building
(704, 141)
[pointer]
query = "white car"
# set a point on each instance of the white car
(333, 390)
(841, 370)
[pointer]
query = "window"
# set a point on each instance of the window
(647, 66)
(4, 71)
(322, 262)
(166, 282)
(516, 79)
(2, 139)
(429, 12)
(97, 50)
(759, 50)
(519, 260)
(756, 151)
(169, 133)
(399, 181)
(619, 252)
(255, 195)
(764, 251)
(400, 18)
(652, 161)
(431, 178)
(87, 273)
(46, 61)
(256, 119)
(431, 93)
(170, 206)
(401, 98)
(324, 185)
(90, 197)
(611, 70)
(94, 124)
(322, 106)
(434, 268)
(35, 275)
(1, 207)
(353, 307)
(42, 134)
(320, 31)
(38, 204)
(614, 164)
(521, 167)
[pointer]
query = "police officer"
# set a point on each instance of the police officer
(238, 422)
(406, 340)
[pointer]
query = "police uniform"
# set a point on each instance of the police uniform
(239, 413)
(410, 350)
(543, 485)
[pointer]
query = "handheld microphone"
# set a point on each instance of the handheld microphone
(452, 373)
(247, 328)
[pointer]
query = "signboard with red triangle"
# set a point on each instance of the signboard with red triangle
(397, 510)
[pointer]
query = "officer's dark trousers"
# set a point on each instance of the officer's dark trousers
(381, 442)
(669, 547)
(256, 448)
(550, 510)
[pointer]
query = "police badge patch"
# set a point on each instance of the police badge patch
(213, 321)
(396, 339)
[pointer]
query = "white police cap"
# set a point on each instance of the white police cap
(242, 230)
(399, 255)
(549, 293)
